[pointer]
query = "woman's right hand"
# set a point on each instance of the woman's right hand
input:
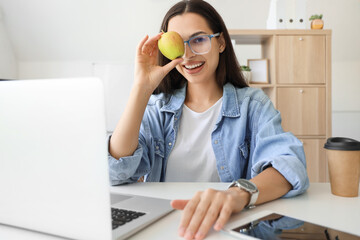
(148, 76)
(147, 73)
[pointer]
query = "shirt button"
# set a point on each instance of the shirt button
(170, 143)
(216, 141)
(222, 167)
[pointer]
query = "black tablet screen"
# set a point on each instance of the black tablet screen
(275, 226)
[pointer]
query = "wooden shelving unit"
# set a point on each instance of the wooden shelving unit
(299, 86)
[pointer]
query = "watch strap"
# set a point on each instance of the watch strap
(254, 193)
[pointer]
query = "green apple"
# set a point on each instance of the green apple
(171, 45)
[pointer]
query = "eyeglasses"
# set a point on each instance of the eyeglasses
(201, 44)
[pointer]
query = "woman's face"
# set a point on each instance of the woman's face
(197, 68)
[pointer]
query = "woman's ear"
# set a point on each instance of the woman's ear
(222, 43)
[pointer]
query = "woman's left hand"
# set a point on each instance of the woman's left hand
(208, 208)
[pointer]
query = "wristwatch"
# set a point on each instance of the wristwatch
(248, 186)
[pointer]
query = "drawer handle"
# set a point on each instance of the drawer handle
(301, 91)
(301, 39)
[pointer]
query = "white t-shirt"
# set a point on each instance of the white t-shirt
(192, 158)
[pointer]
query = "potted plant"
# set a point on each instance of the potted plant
(246, 71)
(316, 21)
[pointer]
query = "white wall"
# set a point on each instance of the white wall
(62, 38)
(8, 62)
(54, 69)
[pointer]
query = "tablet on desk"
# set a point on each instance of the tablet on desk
(275, 226)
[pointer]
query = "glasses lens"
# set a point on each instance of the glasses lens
(200, 44)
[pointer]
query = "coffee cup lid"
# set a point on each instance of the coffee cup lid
(341, 143)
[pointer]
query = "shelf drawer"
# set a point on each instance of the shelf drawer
(303, 110)
(301, 59)
(315, 159)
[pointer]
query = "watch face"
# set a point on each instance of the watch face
(247, 184)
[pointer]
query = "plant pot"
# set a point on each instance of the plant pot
(247, 76)
(317, 24)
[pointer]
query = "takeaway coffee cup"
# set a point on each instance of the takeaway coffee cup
(343, 156)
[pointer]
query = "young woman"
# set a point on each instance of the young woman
(195, 119)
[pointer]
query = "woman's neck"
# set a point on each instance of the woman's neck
(200, 97)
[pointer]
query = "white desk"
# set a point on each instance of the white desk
(317, 205)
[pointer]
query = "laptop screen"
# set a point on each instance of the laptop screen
(53, 157)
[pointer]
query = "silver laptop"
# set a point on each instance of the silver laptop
(53, 163)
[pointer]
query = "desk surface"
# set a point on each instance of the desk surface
(317, 205)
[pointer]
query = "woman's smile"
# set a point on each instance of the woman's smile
(193, 67)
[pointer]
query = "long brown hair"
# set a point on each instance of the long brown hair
(228, 69)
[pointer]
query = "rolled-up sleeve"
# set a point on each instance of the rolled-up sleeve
(130, 168)
(121, 170)
(279, 149)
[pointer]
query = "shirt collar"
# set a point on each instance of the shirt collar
(230, 106)
(176, 101)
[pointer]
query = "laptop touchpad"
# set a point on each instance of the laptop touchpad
(115, 198)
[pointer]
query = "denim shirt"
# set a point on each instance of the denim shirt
(246, 139)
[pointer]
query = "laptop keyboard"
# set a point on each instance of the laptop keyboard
(122, 216)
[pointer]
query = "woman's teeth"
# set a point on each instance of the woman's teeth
(193, 66)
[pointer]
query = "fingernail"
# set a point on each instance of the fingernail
(199, 235)
(189, 235)
(217, 226)
(181, 231)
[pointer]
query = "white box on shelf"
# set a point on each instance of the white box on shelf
(287, 14)
(276, 18)
(259, 70)
(300, 13)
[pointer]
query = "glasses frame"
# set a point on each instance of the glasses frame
(210, 36)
